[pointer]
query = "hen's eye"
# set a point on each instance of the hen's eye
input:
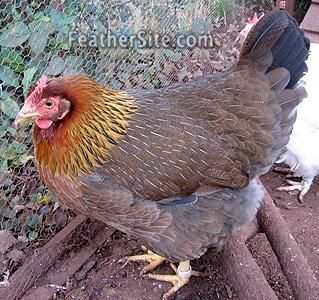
(48, 104)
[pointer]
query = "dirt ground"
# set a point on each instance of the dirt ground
(104, 276)
(303, 220)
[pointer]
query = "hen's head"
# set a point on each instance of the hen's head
(45, 104)
(75, 110)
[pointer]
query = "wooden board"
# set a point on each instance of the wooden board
(287, 5)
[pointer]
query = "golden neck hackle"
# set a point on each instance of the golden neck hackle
(81, 142)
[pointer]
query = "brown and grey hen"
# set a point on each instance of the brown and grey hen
(174, 166)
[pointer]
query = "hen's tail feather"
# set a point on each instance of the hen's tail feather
(278, 48)
(278, 33)
(279, 79)
(295, 54)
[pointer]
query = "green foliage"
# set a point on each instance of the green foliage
(302, 5)
(223, 7)
(14, 35)
(32, 40)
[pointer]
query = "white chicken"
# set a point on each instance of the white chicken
(302, 152)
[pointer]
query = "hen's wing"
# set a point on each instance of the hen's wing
(218, 131)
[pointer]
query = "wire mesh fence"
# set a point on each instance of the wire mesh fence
(122, 44)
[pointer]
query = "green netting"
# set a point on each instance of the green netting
(151, 44)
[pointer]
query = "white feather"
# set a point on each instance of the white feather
(302, 153)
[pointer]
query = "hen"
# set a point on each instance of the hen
(174, 166)
(302, 151)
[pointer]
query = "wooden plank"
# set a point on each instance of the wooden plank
(58, 275)
(40, 261)
(243, 273)
(294, 265)
(287, 5)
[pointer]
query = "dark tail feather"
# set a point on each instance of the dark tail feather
(279, 34)
(279, 49)
(295, 54)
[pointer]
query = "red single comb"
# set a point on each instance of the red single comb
(255, 19)
(38, 90)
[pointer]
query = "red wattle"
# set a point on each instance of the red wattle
(43, 123)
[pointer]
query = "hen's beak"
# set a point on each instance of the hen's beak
(27, 112)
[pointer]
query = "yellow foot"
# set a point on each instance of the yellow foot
(153, 260)
(178, 280)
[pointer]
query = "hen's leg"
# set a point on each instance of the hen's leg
(302, 186)
(151, 258)
(181, 278)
